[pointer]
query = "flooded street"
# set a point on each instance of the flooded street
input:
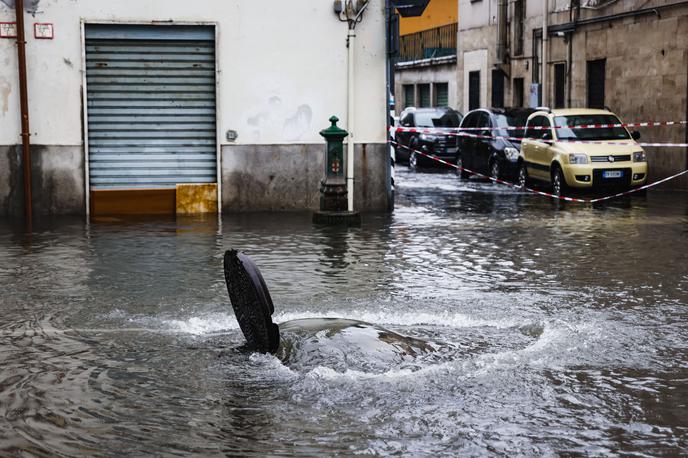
(561, 329)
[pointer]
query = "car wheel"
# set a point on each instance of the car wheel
(459, 167)
(495, 171)
(522, 176)
(558, 182)
(413, 161)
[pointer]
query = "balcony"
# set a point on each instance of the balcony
(428, 46)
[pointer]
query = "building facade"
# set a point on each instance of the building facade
(129, 97)
(425, 70)
(629, 56)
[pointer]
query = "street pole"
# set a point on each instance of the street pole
(24, 105)
(350, 116)
(545, 20)
(389, 86)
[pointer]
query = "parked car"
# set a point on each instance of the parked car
(489, 152)
(550, 156)
(439, 143)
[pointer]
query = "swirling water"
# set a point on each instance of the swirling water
(562, 330)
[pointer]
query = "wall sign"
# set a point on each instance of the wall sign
(8, 30)
(43, 31)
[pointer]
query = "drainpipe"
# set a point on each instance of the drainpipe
(353, 18)
(545, 41)
(24, 103)
(350, 115)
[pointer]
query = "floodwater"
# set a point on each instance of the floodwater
(560, 329)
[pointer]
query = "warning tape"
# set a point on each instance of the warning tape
(581, 126)
(542, 193)
(520, 139)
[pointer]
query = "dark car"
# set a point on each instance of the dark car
(488, 152)
(440, 143)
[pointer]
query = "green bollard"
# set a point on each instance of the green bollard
(333, 192)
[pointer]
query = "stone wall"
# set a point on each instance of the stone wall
(57, 174)
(287, 177)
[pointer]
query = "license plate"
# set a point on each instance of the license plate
(612, 174)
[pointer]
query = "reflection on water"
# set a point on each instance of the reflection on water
(559, 329)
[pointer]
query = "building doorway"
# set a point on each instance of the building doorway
(150, 93)
(596, 75)
(473, 90)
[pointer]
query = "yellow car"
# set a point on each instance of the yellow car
(560, 155)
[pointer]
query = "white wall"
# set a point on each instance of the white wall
(274, 57)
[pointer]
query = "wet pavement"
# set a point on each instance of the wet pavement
(560, 329)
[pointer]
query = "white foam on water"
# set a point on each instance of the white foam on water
(559, 344)
(453, 320)
(199, 325)
(273, 366)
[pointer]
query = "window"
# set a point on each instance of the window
(470, 120)
(409, 96)
(407, 120)
(567, 132)
(512, 118)
(518, 92)
(519, 18)
(473, 90)
(497, 89)
(559, 85)
(484, 121)
(538, 121)
(596, 76)
(441, 94)
(424, 95)
(535, 122)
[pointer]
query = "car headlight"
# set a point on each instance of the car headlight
(639, 156)
(578, 158)
(428, 137)
(511, 153)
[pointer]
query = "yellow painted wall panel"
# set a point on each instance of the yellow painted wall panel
(437, 13)
(196, 198)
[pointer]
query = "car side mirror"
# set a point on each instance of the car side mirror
(635, 135)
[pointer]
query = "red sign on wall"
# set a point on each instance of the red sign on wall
(8, 30)
(43, 31)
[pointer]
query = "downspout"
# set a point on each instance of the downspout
(24, 106)
(350, 116)
(545, 42)
(569, 59)
(351, 94)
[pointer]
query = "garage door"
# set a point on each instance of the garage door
(151, 106)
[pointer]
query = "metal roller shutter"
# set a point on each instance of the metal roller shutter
(424, 95)
(151, 106)
(441, 94)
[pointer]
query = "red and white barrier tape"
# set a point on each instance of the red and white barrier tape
(519, 139)
(542, 193)
(582, 126)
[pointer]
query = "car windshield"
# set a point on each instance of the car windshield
(512, 120)
(607, 133)
(438, 119)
